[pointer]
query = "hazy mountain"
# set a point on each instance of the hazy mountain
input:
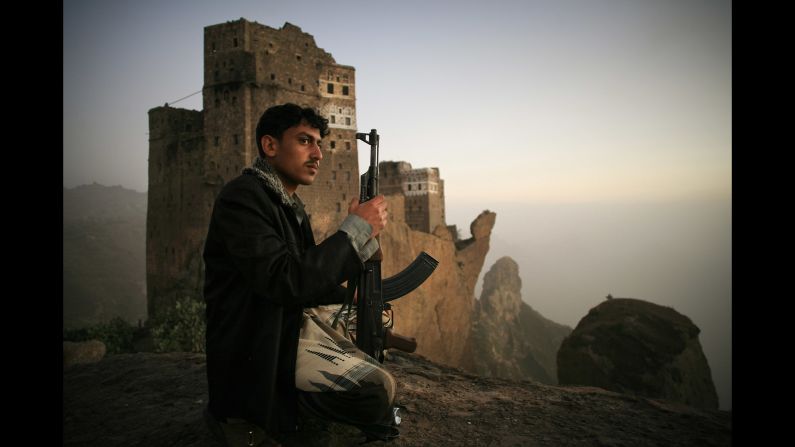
(509, 338)
(104, 254)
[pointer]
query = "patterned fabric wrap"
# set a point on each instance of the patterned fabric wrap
(329, 361)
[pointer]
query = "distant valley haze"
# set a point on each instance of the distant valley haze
(572, 255)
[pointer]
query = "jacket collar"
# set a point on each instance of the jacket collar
(270, 180)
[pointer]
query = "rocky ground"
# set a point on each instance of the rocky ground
(151, 399)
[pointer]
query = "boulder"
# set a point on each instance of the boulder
(637, 347)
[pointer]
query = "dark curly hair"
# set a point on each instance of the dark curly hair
(277, 119)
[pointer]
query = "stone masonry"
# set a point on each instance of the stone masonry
(423, 189)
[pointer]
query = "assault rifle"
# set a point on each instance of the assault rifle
(374, 294)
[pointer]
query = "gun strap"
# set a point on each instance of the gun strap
(352, 284)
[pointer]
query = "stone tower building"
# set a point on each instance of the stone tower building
(423, 189)
(248, 67)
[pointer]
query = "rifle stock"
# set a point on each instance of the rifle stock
(397, 341)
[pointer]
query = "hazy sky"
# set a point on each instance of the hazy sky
(564, 117)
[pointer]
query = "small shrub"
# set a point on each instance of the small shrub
(117, 335)
(180, 328)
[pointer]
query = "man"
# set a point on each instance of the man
(264, 275)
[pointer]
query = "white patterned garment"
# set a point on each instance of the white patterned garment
(329, 361)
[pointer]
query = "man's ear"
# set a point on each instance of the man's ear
(270, 145)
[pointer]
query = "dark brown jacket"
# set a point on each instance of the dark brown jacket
(262, 268)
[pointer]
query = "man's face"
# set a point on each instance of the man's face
(296, 158)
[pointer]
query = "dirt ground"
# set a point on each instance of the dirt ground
(148, 399)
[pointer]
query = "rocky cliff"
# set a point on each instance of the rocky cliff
(438, 313)
(157, 400)
(637, 347)
(509, 338)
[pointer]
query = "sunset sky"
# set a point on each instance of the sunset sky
(542, 101)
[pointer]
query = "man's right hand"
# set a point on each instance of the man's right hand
(373, 212)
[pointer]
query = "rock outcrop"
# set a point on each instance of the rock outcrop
(438, 313)
(90, 351)
(633, 346)
(510, 339)
(157, 400)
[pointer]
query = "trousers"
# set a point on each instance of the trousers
(336, 380)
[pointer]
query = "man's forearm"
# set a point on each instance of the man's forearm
(359, 231)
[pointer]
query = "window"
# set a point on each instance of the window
(302, 88)
(235, 138)
(333, 175)
(234, 100)
(298, 57)
(333, 120)
(330, 88)
(215, 141)
(348, 120)
(234, 42)
(409, 186)
(290, 81)
(344, 78)
(347, 145)
(273, 77)
(217, 102)
(333, 144)
(344, 89)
